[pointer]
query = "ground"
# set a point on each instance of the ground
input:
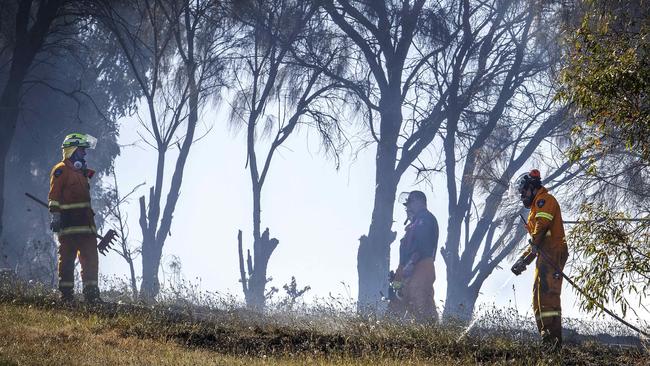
(36, 329)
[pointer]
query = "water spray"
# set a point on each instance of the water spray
(471, 323)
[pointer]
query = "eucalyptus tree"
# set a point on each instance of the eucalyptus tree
(174, 51)
(24, 31)
(274, 97)
(499, 111)
(75, 82)
(606, 81)
(383, 43)
(468, 73)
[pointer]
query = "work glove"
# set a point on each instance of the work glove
(55, 221)
(518, 267)
(396, 290)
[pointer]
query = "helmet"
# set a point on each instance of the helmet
(406, 197)
(79, 140)
(532, 179)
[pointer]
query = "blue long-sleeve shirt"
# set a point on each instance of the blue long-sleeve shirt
(421, 237)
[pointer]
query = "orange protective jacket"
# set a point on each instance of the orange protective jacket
(545, 224)
(70, 195)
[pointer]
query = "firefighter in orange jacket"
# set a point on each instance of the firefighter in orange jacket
(72, 217)
(546, 234)
(412, 284)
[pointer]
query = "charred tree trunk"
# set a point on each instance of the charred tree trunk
(254, 283)
(373, 257)
(151, 256)
(462, 299)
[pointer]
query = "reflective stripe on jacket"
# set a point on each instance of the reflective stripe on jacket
(545, 223)
(70, 195)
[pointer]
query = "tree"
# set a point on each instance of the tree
(455, 70)
(606, 81)
(23, 44)
(612, 257)
(115, 216)
(607, 75)
(76, 83)
(174, 50)
(500, 112)
(383, 42)
(270, 80)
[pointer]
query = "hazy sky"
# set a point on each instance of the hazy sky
(316, 212)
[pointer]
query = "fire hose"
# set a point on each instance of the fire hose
(547, 259)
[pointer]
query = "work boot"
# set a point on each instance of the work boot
(91, 295)
(551, 343)
(67, 295)
(552, 334)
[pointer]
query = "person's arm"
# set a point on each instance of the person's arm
(54, 197)
(540, 229)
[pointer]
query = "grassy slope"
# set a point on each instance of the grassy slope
(35, 329)
(36, 336)
(45, 334)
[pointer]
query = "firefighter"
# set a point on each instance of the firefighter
(72, 217)
(412, 283)
(546, 234)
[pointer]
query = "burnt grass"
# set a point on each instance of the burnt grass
(236, 331)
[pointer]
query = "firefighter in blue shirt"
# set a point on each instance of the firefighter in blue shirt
(412, 284)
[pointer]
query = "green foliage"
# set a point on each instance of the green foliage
(607, 77)
(613, 257)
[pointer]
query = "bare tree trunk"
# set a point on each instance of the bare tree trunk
(373, 257)
(263, 245)
(150, 284)
(29, 41)
(151, 256)
(264, 248)
(5, 142)
(9, 110)
(134, 284)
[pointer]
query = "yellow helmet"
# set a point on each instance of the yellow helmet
(79, 140)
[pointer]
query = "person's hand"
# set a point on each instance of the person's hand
(55, 221)
(518, 267)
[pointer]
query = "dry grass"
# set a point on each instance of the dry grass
(36, 330)
(36, 336)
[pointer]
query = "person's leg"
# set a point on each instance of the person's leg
(550, 310)
(67, 257)
(89, 259)
(419, 289)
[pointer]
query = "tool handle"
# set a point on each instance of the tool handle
(580, 290)
(584, 293)
(42, 203)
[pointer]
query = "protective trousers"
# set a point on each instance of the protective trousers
(546, 294)
(417, 292)
(86, 246)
